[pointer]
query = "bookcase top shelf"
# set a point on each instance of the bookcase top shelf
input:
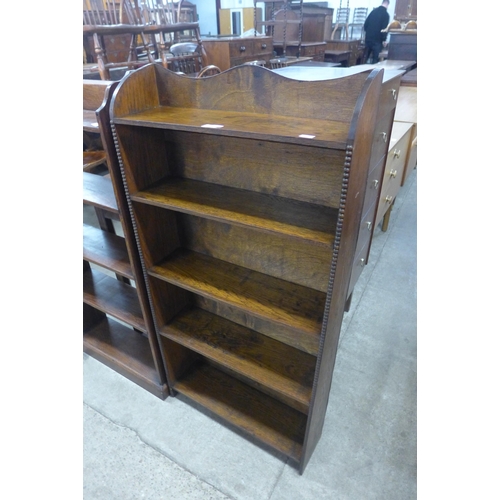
(308, 132)
(267, 106)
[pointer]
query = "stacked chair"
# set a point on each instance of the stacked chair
(150, 28)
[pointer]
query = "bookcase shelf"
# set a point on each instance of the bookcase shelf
(256, 125)
(261, 211)
(251, 411)
(106, 250)
(113, 297)
(256, 293)
(123, 349)
(247, 230)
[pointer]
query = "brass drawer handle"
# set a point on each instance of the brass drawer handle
(384, 136)
(362, 262)
(375, 183)
(368, 225)
(394, 94)
(242, 48)
(393, 173)
(264, 45)
(397, 153)
(388, 199)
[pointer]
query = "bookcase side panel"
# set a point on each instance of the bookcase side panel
(357, 165)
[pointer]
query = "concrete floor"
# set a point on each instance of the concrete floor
(137, 446)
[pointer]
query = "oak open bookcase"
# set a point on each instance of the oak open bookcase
(118, 327)
(246, 192)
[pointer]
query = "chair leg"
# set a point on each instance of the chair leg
(102, 59)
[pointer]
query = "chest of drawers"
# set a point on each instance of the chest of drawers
(228, 52)
(406, 111)
(395, 164)
(376, 174)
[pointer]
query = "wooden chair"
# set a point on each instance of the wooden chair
(185, 57)
(209, 70)
(358, 21)
(342, 22)
(110, 19)
(152, 26)
(93, 151)
(277, 62)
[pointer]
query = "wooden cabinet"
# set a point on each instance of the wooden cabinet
(227, 52)
(394, 169)
(406, 111)
(317, 22)
(402, 155)
(375, 186)
(118, 327)
(246, 191)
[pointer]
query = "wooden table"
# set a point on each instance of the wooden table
(395, 64)
(314, 73)
(319, 64)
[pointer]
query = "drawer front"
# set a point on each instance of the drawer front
(263, 46)
(389, 96)
(396, 160)
(397, 156)
(390, 190)
(366, 231)
(383, 206)
(249, 47)
(239, 48)
(374, 185)
(357, 268)
(380, 140)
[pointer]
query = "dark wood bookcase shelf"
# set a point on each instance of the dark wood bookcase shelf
(106, 250)
(246, 192)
